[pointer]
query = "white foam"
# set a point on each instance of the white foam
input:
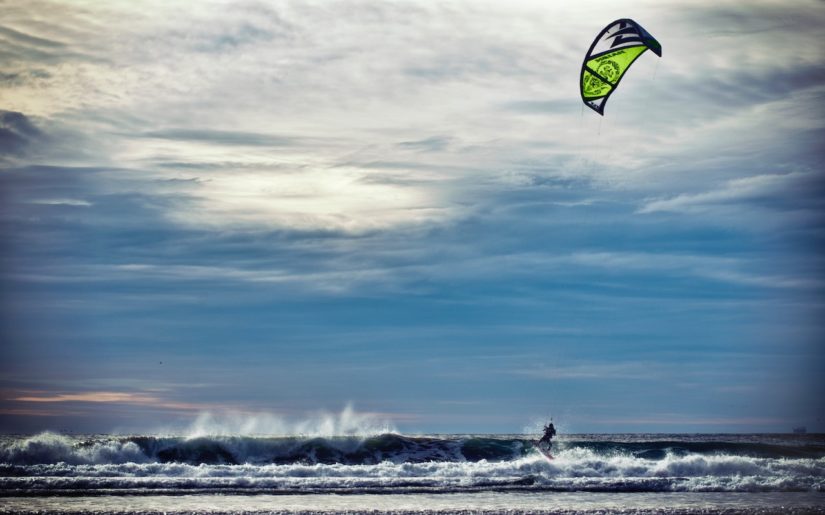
(570, 471)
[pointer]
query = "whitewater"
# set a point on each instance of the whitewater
(389, 472)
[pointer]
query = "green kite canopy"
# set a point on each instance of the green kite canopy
(616, 47)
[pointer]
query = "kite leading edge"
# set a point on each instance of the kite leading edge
(615, 48)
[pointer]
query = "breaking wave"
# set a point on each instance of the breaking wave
(391, 462)
(50, 448)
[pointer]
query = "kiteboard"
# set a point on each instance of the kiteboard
(546, 453)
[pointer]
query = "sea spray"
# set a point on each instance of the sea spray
(346, 423)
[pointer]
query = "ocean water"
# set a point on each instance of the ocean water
(395, 473)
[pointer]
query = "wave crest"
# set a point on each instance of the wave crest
(50, 447)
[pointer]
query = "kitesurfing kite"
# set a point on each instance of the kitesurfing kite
(616, 47)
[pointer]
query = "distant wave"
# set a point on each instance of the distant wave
(49, 463)
(50, 448)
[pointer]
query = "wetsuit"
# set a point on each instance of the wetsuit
(549, 433)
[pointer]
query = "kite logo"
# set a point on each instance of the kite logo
(610, 70)
(593, 86)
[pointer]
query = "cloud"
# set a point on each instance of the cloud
(221, 137)
(335, 280)
(42, 42)
(734, 271)
(27, 39)
(598, 371)
(104, 397)
(88, 397)
(537, 107)
(731, 192)
(431, 144)
(31, 412)
(312, 201)
(730, 20)
(42, 196)
(62, 202)
(681, 420)
(707, 96)
(17, 133)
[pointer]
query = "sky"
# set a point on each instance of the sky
(266, 216)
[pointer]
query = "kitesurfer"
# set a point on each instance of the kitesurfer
(549, 433)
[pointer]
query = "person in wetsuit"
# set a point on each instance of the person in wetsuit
(546, 441)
